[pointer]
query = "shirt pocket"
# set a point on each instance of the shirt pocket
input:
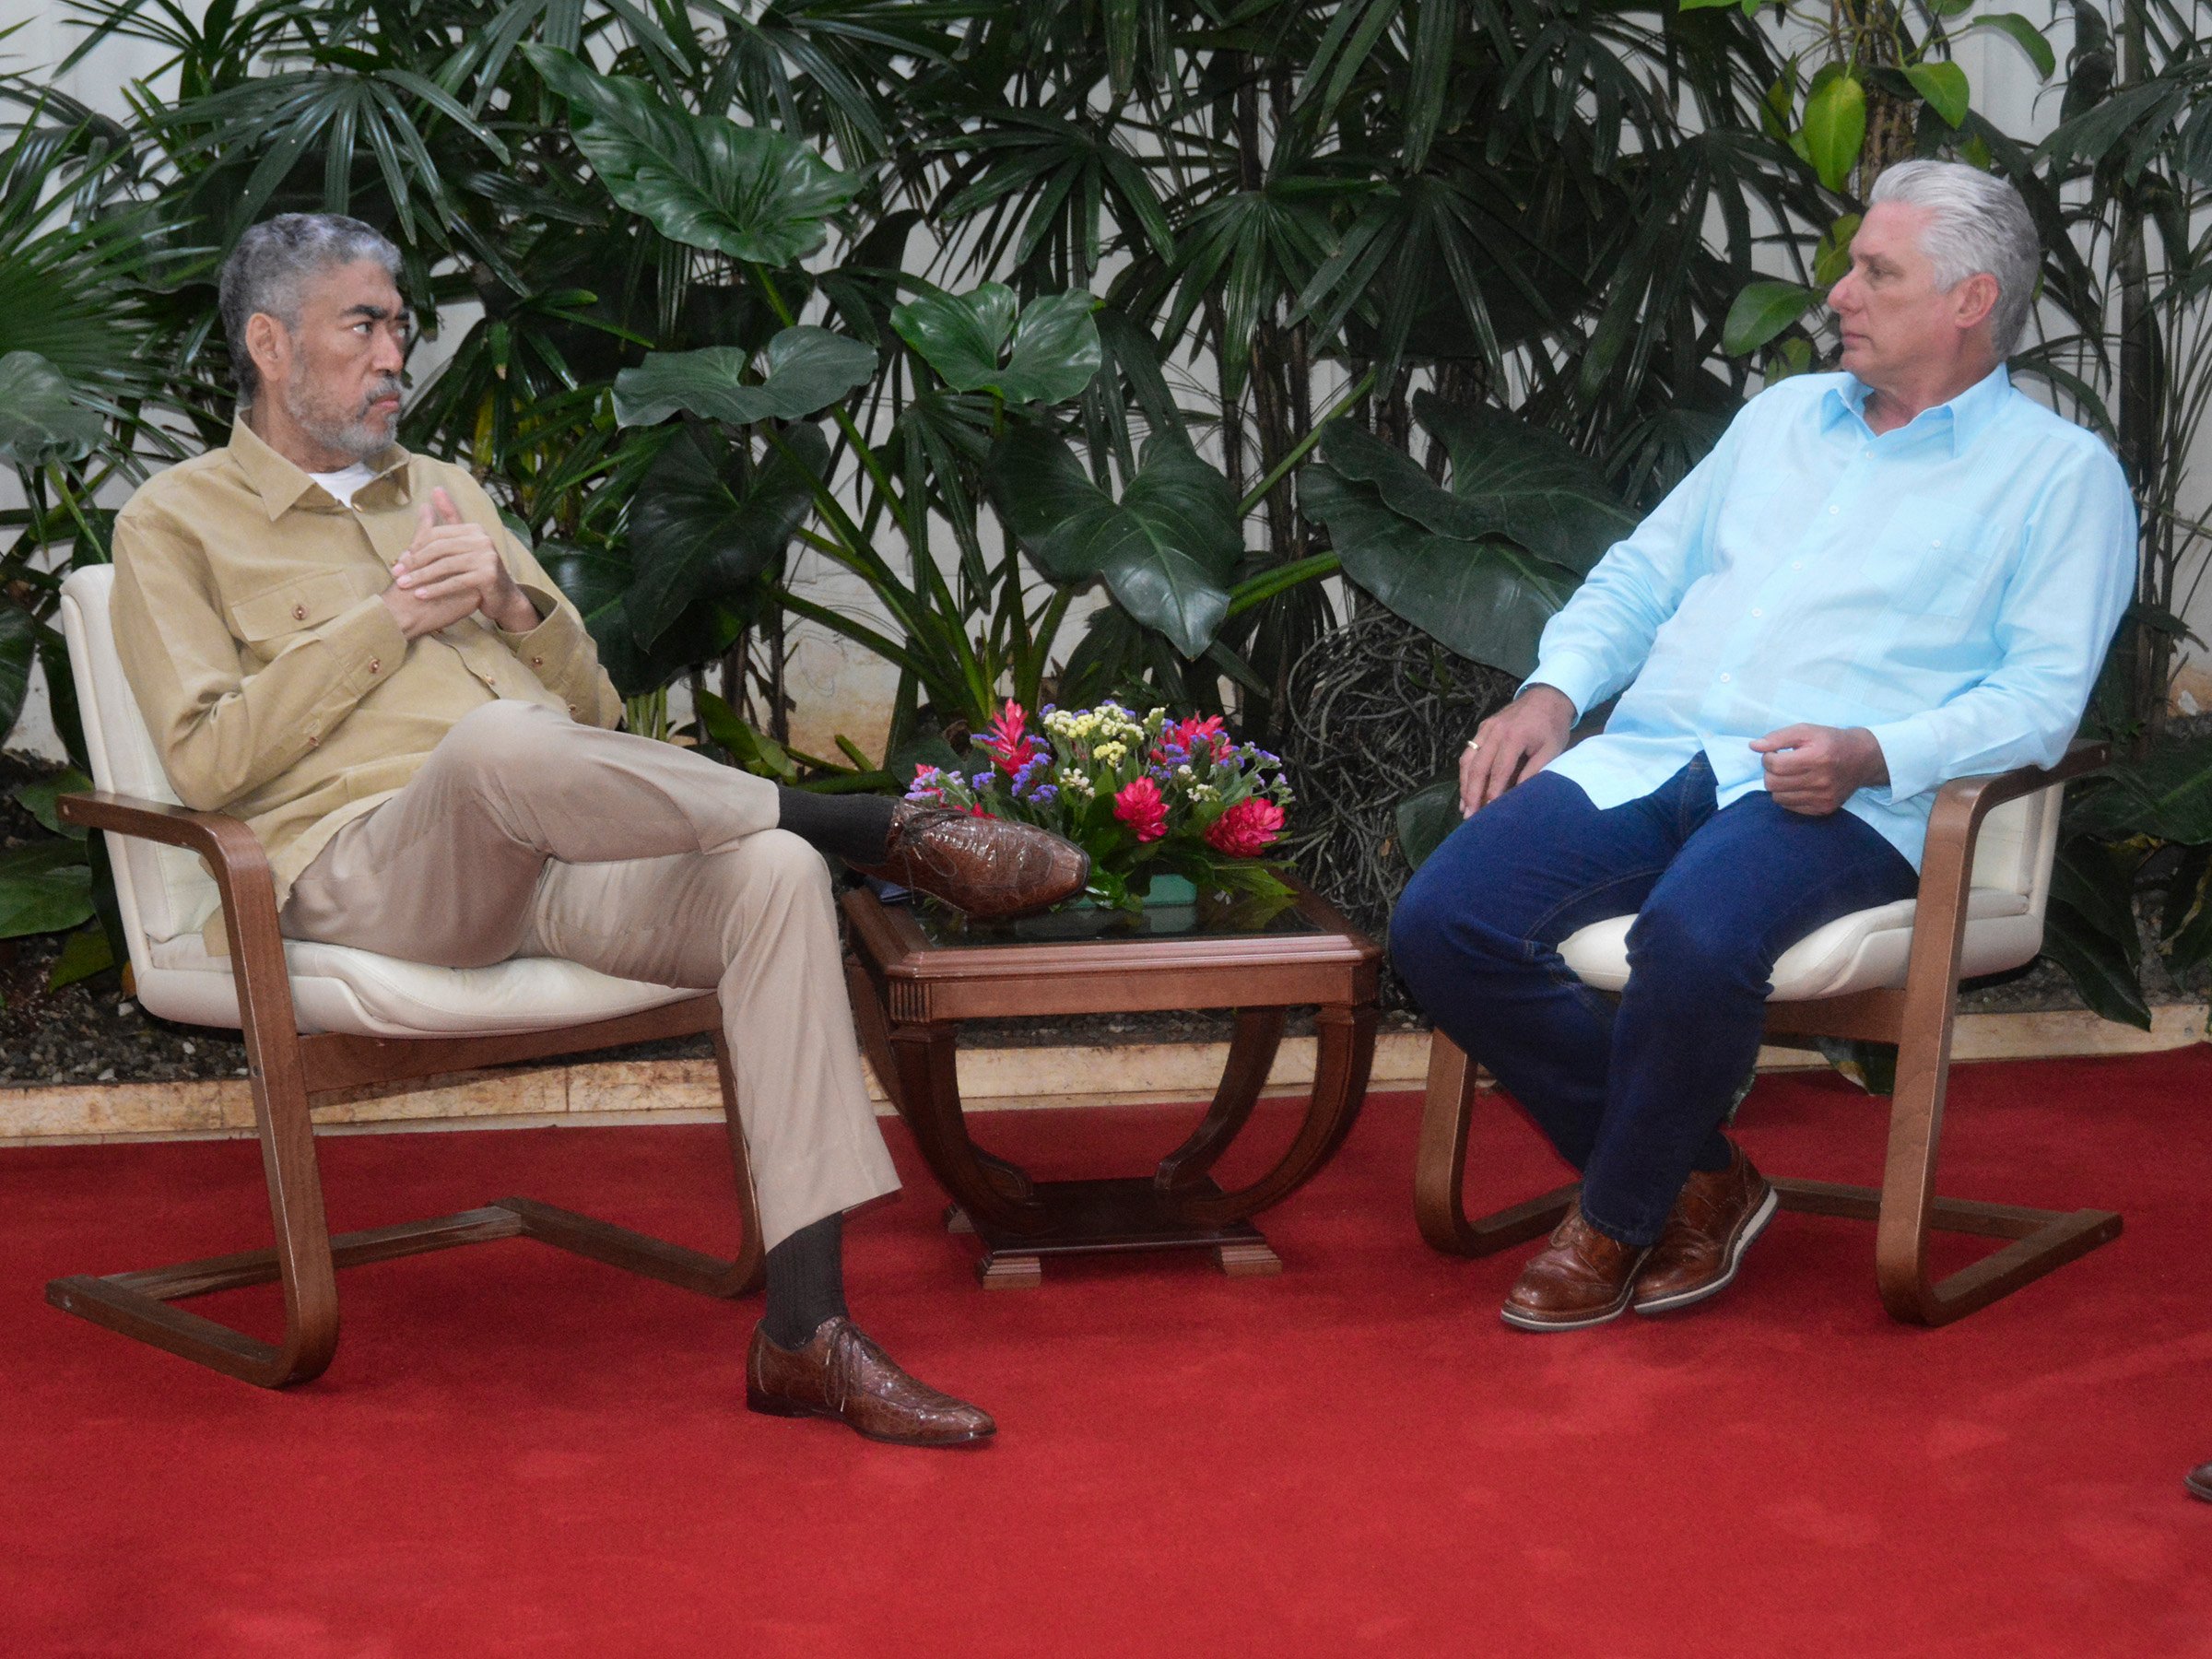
(270, 620)
(1933, 561)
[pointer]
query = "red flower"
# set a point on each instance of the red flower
(1008, 743)
(1181, 740)
(1245, 829)
(1139, 806)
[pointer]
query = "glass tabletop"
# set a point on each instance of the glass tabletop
(1210, 917)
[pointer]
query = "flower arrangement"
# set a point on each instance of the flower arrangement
(1144, 796)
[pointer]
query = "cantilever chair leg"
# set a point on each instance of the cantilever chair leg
(1440, 1169)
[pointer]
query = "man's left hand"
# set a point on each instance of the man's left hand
(1815, 768)
(452, 556)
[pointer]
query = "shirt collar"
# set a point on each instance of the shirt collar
(279, 482)
(1967, 416)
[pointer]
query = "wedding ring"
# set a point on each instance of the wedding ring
(1474, 743)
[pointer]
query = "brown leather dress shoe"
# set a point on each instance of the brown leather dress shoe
(989, 867)
(1581, 1277)
(1715, 1221)
(2199, 1482)
(839, 1373)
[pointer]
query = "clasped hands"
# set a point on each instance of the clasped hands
(452, 570)
(1811, 770)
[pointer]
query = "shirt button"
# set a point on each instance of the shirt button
(540, 661)
(376, 665)
(1723, 679)
(1833, 510)
(298, 613)
(1796, 564)
(571, 711)
(312, 740)
(1936, 543)
(1756, 612)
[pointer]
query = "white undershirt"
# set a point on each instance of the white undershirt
(341, 485)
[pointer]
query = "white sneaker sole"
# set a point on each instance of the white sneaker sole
(1744, 1235)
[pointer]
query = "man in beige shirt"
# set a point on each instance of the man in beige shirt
(342, 645)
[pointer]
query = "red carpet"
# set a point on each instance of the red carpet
(520, 1452)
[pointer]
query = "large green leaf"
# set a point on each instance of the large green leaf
(1835, 128)
(1507, 480)
(1485, 599)
(803, 370)
(18, 644)
(1425, 816)
(1167, 550)
(596, 581)
(1945, 86)
(747, 192)
(2025, 36)
(39, 421)
(708, 521)
(1054, 343)
(1762, 311)
(2089, 927)
(2168, 794)
(44, 888)
(39, 797)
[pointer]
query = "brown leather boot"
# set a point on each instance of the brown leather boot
(2199, 1482)
(1581, 1277)
(841, 1373)
(1715, 1221)
(989, 867)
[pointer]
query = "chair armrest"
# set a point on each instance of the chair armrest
(1963, 803)
(243, 880)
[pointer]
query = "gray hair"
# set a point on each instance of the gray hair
(1980, 225)
(266, 269)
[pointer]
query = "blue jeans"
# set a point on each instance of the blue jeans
(1633, 1097)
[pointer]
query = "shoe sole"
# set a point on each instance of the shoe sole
(769, 1406)
(1745, 1234)
(1529, 1322)
(2198, 1488)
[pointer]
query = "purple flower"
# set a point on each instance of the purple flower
(1026, 780)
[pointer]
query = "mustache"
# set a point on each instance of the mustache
(386, 385)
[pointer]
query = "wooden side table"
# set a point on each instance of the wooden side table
(916, 973)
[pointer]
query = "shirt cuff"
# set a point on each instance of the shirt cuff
(1909, 751)
(370, 644)
(1578, 680)
(548, 647)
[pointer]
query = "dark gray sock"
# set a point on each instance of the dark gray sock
(857, 828)
(806, 1281)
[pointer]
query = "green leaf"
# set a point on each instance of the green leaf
(1485, 599)
(708, 521)
(803, 370)
(44, 888)
(40, 419)
(2167, 795)
(1055, 345)
(1509, 478)
(1831, 259)
(2025, 34)
(2089, 927)
(1944, 86)
(18, 645)
(753, 749)
(1762, 311)
(1166, 551)
(1425, 816)
(85, 953)
(38, 799)
(1689, 6)
(1835, 127)
(747, 192)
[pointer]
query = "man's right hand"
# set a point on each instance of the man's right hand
(1513, 745)
(416, 615)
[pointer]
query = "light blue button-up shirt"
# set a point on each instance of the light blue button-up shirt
(1950, 585)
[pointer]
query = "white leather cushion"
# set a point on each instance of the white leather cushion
(336, 988)
(165, 892)
(1859, 952)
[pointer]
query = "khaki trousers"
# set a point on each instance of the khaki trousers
(527, 834)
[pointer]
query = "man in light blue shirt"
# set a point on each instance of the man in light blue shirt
(1878, 581)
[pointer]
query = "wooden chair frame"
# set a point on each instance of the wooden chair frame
(287, 1068)
(1917, 1018)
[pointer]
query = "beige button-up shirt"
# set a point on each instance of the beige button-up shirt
(276, 685)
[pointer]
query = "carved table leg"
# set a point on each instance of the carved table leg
(1344, 1051)
(1259, 1035)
